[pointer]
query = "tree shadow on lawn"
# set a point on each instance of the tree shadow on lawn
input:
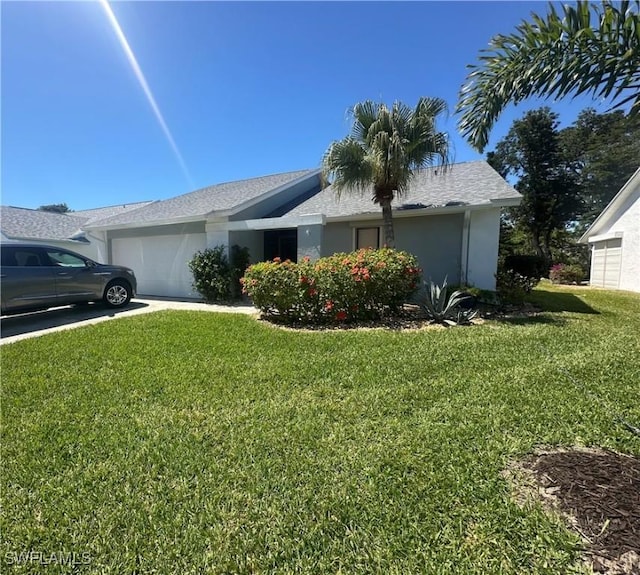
(534, 319)
(559, 301)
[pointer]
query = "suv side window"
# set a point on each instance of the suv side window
(65, 259)
(21, 257)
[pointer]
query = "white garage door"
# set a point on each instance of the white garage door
(606, 258)
(160, 262)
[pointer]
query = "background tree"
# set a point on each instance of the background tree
(605, 152)
(532, 152)
(57, 208)
(557, 56)
(385, 147)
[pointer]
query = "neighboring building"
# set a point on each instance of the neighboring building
(62, 230)
(450, 220)
(614, 238)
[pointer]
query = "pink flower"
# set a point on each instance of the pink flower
(277, 260)
(341, 315)
(312, 292)
(329, 305)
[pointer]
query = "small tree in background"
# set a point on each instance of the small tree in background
(56, 208)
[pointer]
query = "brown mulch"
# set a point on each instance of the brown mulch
(598, 492)
(411, 318)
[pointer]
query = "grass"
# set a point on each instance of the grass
(186, 442)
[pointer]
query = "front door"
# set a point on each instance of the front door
(282, 244)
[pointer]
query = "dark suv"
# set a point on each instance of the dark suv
(36, 277)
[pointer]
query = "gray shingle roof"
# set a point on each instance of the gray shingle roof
(96, 214)
(23, 223)
(468, 183)
(204, 201)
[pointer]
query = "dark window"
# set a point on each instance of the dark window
(282, 244)
(367, 238)
(21, 257)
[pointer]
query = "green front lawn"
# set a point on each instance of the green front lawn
(186, 442)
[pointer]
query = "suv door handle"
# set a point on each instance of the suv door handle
(63, 273)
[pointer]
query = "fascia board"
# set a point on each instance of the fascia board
(268, 223)
(148, 224)
(398, 214)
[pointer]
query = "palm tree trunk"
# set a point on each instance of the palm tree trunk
(387, 224)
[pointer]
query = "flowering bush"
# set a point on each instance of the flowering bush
(343, 287)
(566, 274)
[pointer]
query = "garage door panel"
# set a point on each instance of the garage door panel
(606, 259)
(160, 262)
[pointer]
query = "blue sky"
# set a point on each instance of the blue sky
(246, 89)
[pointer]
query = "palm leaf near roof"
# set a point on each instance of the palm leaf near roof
(385, 147)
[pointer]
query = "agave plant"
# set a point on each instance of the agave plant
(443, 309)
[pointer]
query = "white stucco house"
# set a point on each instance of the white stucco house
(614, 238)
(449, 220)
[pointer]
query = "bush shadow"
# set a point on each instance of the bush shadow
(553, 301)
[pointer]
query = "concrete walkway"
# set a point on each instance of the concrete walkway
(17, 327)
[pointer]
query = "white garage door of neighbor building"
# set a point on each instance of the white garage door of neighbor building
(160, 262)
(606, 258)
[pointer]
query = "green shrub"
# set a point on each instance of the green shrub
(512, 287)
(215, 278)
(517, 276)
(343, 287)
(566, 274)
(239, 261)
(527, 266)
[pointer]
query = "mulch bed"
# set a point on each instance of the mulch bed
(412, 318)
(598, 492)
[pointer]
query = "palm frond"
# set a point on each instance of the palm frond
(555, 57)
(345, 161)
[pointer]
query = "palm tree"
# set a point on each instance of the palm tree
(556, 57)
(386, 145)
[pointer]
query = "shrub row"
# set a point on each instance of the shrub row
(366, 284)
(566, 274)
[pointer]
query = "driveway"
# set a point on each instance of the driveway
(17, 327)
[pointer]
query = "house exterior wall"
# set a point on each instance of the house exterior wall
(251, 239)
(338, 237)
(629, 224)
(436, 241)
(310, 241)
(483, 236)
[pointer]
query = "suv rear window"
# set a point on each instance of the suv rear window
(21, 257)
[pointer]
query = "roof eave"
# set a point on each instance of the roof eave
(429, 211)
(147, 224)
(611, 207)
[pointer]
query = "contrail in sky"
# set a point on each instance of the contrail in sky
(145, 87)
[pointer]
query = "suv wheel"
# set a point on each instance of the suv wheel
(117, 294)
